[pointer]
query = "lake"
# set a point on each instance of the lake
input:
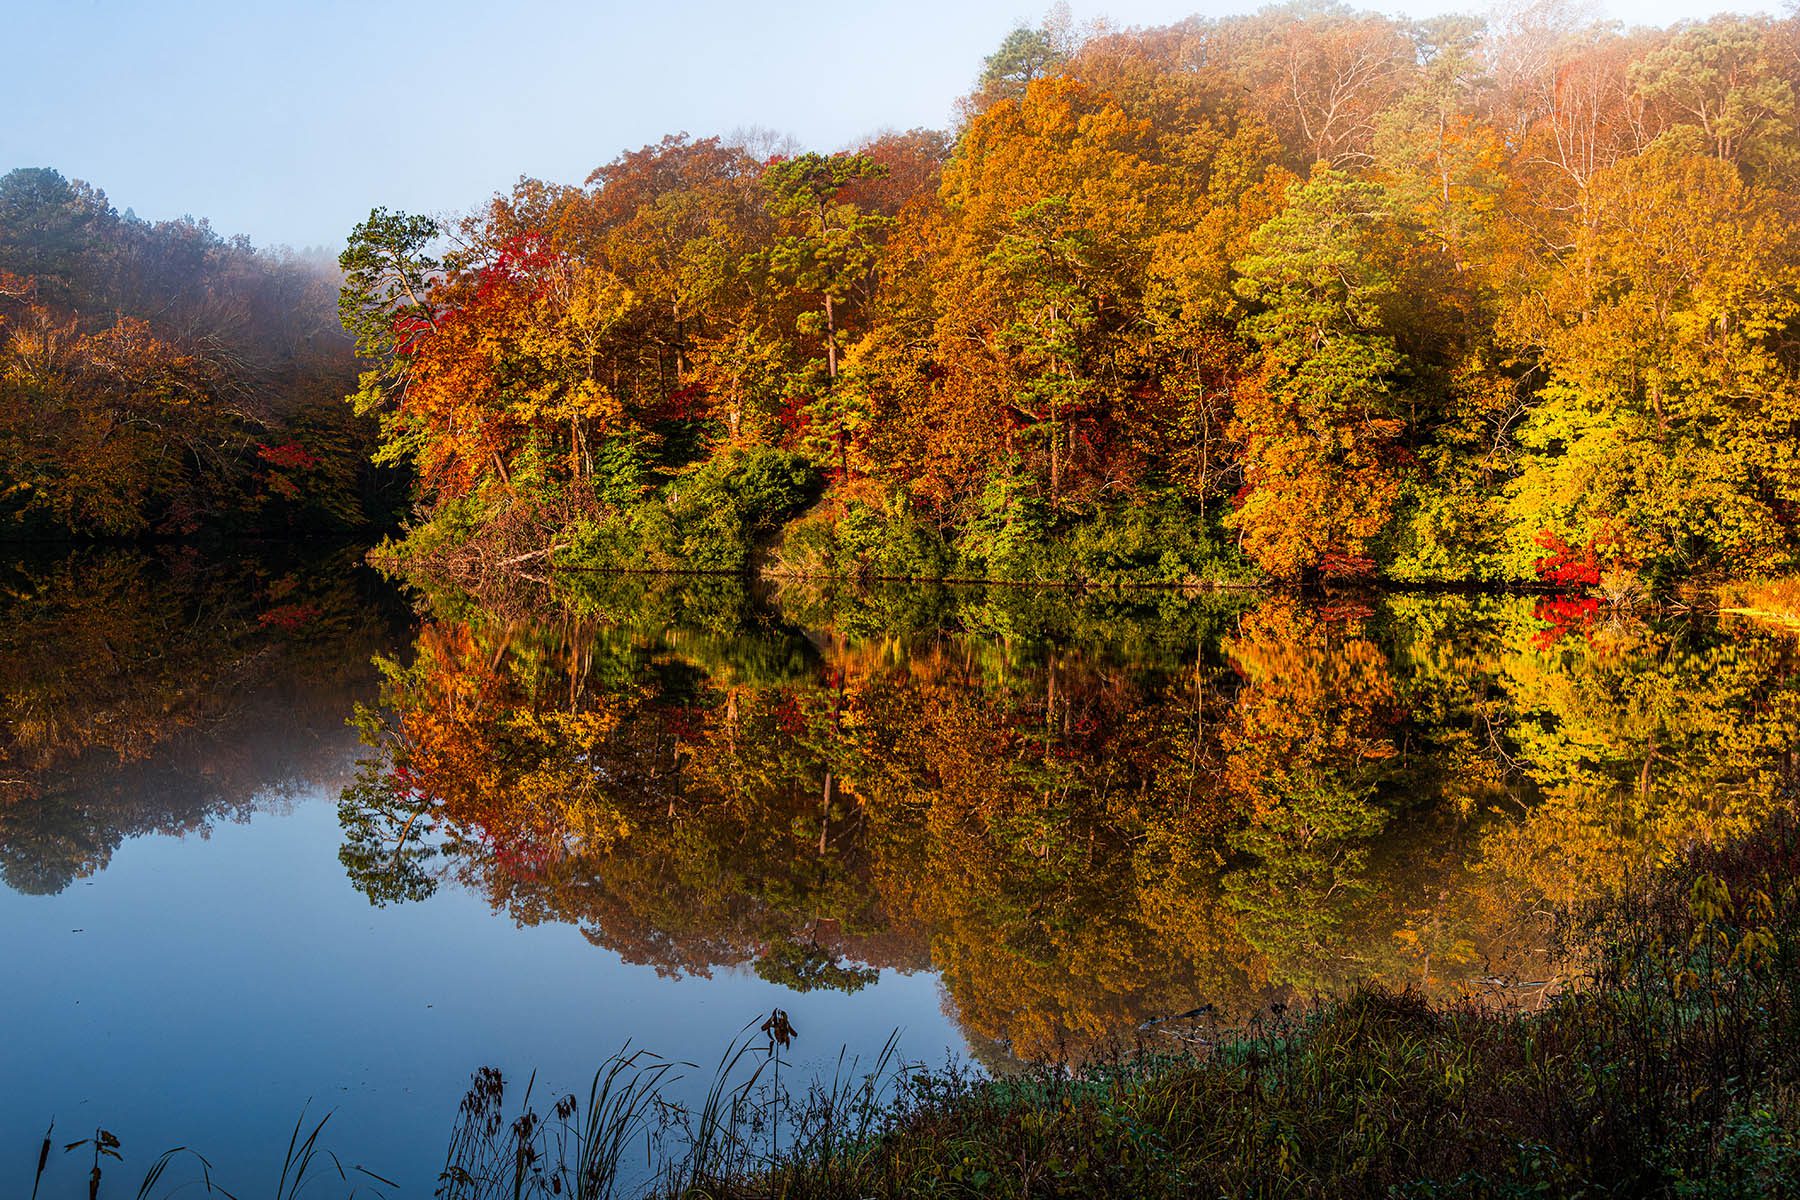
(278, 838)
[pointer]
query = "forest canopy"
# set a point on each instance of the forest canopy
(1304, 293)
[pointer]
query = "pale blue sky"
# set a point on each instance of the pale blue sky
(287, 121)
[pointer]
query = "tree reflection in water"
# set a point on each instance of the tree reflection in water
(1084, 813)
(160, 692)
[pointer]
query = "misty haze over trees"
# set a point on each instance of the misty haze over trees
(157, 378)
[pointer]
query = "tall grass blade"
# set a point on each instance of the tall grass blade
(43, 1158)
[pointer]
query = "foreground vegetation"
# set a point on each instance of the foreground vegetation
(1309, 292)
(1669, 1069)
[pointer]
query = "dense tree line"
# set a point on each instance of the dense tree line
(1311, 291)
(158, 379)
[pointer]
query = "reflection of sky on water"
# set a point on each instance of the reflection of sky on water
(218, 982)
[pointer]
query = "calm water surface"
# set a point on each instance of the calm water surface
(274, 836)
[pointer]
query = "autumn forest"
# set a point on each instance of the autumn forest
(157, 379)
(1311, 293)
(1228, 620)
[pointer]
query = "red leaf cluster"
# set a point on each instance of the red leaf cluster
(289, 456)
(1337, 564)
(409, 332)
(290, 618)
(686, 403)
(1564, 565)
(795, 417)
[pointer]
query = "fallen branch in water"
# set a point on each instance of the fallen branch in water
(531, 554)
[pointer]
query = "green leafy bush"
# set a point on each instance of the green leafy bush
(1007, 538)
(707, 520)
(865, 541)
(1160, 542)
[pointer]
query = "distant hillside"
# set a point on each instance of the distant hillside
(159, 379)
